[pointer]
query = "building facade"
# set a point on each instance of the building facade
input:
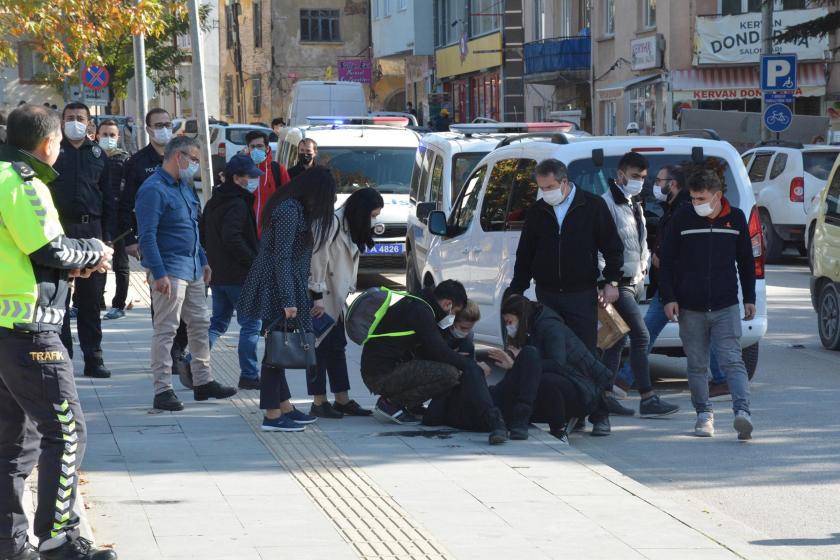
(653, 59)
(27, 81)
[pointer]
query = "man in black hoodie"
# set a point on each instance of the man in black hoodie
(230, 240)
(417, 365)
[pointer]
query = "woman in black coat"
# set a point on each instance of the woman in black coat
(296, 220)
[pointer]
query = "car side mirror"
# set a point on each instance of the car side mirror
(437, 223)
(424, 209)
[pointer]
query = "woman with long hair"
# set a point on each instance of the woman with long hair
(296, 221)
(334, 268)
(570, 379)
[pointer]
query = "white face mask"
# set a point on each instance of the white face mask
(188, 172)
(554, 197)
(511, 330)
(446, 322)
(704, 209)
(633, 187)
(108, 143)
(374, 221)
(161, 136)
(660, 194)
(75, 130)
(253, 185)
(458, 333)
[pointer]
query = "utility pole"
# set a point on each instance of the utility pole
(236, 8)
(200, 100)
(766, 48)
(141, 94)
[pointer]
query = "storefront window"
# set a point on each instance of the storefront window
(609, 117)
(484, 94)
(642, 108)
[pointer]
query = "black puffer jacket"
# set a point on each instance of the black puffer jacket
(229, 232)
(564, 354)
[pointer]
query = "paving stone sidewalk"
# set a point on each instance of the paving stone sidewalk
(206, 483)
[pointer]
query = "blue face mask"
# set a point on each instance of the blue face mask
(258, 156)
(189, 172)
(253, 185)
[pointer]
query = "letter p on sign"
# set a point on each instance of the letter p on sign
(778, 72)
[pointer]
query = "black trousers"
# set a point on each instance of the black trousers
(557, 402)
(87, 294)
(332, 362)
(40, 421)
(121, 275)
(465, 406)
(521, 383)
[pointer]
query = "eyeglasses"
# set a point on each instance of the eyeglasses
(191, 158)
(161, 125)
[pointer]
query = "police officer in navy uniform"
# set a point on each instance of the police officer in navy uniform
(41, 419)
(138, 168)
(82, 196)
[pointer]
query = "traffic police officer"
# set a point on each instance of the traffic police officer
(40, 415)
(82, 195)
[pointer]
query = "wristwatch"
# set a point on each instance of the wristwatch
(614, 284)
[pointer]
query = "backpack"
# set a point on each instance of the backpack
(368, 310)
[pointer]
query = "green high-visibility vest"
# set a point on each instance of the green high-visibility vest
(28, 221)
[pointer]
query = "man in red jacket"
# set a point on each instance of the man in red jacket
(274, 174)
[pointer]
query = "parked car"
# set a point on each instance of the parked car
(477, 242)
(825, 278)
(786, 177)
(443, 162)
(310, 98)
(227, 140)
(371, 152)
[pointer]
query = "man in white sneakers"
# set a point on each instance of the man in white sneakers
(699, 285)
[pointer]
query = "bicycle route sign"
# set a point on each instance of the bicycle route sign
(777, 117)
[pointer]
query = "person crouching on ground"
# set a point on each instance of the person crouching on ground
(335, 266)
(409, 369)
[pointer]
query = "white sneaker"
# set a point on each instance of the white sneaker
(743, 425)
(705, 425)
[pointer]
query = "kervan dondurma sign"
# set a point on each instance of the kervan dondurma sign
(737, 39)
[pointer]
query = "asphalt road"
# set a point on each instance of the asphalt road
(784, 485)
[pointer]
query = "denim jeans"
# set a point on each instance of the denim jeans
(332, 361)
(655, 321)
(627, 305)
(720, 330)
(224, 304)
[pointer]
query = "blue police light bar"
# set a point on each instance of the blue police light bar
(336, 120)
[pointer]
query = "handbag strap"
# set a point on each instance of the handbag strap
(285, 320)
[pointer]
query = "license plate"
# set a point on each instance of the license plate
(386, 249)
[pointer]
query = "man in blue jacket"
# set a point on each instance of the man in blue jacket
(167, 211)
(699, 285)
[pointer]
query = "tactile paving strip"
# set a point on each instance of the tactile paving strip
(367, 517)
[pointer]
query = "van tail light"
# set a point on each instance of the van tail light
(222, 150)
(797, 189)
(757, 240)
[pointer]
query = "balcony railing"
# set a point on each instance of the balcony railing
(560, 54)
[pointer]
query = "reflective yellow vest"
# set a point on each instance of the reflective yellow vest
(28, 221)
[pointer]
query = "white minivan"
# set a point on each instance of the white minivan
(325, 98)
(380, 155)
(477, 243)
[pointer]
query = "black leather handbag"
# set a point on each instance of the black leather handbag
(290, 347)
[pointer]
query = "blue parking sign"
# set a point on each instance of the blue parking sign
(778, 72)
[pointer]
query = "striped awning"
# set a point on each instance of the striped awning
(743, 81)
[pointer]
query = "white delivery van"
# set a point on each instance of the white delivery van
(325, 98)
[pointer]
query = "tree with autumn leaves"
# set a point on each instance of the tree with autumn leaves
(69, 33)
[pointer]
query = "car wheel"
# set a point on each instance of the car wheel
(412, 279)
(750, 357)
(773, 244)
(828, 316)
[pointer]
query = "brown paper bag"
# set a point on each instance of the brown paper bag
(611, 327)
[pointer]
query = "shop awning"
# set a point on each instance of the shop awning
(627, 84)
(739, 82)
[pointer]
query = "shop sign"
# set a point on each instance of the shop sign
(733, 93)
(737, 39)
(645, 53)
(354, 70)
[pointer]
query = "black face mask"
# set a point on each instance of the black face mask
(304, 159)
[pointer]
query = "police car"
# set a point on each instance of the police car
(477, 243)
(442, 163)
(365, 151)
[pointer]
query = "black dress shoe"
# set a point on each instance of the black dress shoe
(498, 429)
(325, 410)
(181, 368)
(249, 383)
(28, 552)
(168, 401)
(601, 427)
(78, 549)
(97, 371)
(351, 408)
(212, 390)
(617, 408)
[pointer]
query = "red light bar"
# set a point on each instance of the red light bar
(647, 150)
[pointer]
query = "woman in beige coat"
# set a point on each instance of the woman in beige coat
(333, 278)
